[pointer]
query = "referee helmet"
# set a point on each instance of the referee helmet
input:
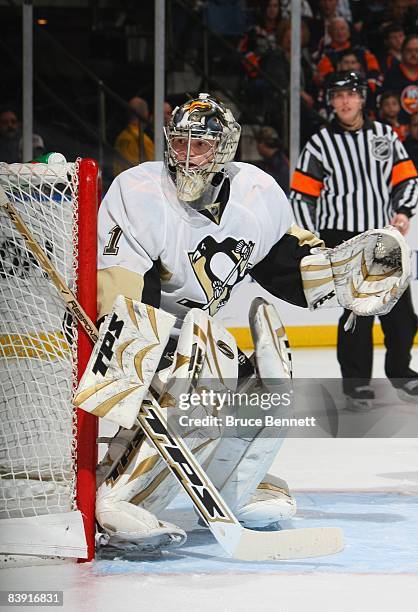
(346, 81)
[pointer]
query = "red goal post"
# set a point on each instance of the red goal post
(48, 451)
(88, 199)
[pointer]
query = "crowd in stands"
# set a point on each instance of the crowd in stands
(377, 38)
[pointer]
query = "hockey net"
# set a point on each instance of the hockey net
(47, 449)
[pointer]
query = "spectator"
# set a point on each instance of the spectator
(349, 61)
(284, 40)
(389, 109)
(274, 161)
(393, 37)
(319, 26)
(38, 146)
(404, 12)
(186, 30)
(368, 20)
(168, 109)
(411, 142)
(260, 38)
(396, 10)
(259, 50)
(133, 145)
(286, 9)
(344, 10)
(352, 176)
(11, 138)
(277, 65)
(341, 41)
(403, 78)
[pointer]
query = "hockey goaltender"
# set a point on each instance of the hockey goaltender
(175, 239)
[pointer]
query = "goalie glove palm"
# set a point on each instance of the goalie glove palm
(366, 274)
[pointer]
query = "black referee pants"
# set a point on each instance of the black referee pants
(355, 348)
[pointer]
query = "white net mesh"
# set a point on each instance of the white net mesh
(37, 343)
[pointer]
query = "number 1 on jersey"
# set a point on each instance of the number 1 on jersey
(112, 246)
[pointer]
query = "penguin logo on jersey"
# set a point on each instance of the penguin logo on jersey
(381, 148)
(218, 266)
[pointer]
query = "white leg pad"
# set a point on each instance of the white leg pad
(140, 476)
(238, 465)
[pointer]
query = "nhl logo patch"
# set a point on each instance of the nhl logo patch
(381, 148)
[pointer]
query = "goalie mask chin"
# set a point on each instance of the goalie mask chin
(202, 136)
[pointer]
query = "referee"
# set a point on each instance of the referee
(352, 176)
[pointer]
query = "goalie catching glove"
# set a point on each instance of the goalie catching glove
(366, 274)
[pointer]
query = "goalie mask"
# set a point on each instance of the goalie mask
(202, 136)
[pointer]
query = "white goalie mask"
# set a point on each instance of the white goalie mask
(202, 136)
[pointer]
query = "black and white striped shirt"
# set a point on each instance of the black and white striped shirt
(353, 180)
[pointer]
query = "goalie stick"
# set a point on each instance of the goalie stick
(236, 540)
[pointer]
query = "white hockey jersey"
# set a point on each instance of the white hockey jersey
(199, 260)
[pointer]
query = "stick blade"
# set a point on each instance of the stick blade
(288, 544)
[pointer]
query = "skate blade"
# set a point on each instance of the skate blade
(111, 548)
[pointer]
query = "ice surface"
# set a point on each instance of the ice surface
(369, 487)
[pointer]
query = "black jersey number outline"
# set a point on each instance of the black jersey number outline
(112, 246)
